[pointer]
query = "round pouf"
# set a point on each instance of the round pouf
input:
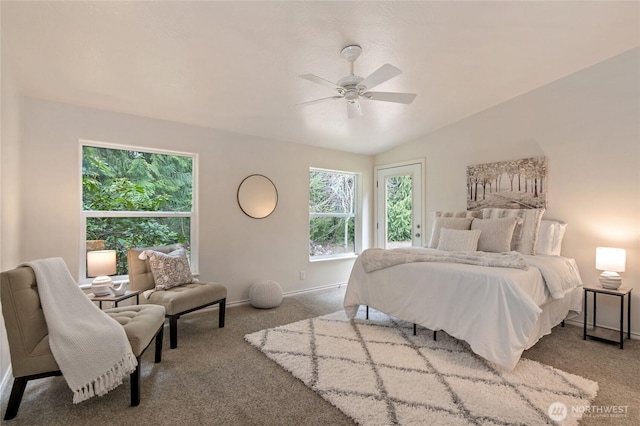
(265, 294)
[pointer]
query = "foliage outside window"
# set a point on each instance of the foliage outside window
(332, 213)
(133, 198)
(399, 210)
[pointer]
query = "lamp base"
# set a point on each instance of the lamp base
(101, 285)
(610, 280)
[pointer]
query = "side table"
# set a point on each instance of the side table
(117, 299)
(620, 292)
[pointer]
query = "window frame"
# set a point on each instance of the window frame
(84, 214)
(357, 216)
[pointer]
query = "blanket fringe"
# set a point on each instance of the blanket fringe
(108, 380)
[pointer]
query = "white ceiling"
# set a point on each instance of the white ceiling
(235, 65)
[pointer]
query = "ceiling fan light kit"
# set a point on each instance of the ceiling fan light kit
(354, 87)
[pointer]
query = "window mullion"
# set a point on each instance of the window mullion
(90, 213)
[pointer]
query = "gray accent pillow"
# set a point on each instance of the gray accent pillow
(457, 240)
(525, 234)
(169, 270)
(459, 223)
(496, 233)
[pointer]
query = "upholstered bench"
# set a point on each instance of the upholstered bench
(28, 336)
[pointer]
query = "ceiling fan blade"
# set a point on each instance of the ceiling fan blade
(401, 98)
(379, 76)
(316, 101)
(321, 81)
(353, 109)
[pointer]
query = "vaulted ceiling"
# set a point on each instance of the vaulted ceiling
(235, 65)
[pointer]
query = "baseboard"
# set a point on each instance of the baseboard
(311, 290)
(634, 335)
(291, 293)
(6, 380)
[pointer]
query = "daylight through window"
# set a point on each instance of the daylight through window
(134, 198)
(332, 213)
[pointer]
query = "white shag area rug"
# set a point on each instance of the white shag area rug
(378, 373)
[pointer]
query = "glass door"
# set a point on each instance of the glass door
(399, 206)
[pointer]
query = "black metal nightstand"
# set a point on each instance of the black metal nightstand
(117, 299)
(621, 292)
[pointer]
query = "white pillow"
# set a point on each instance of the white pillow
(439, 223)
(545, 237)
(556, 246)
(526, 233)
(496, 233)
(550, 237)
(458, 240)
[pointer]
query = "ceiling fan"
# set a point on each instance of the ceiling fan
(353, 87)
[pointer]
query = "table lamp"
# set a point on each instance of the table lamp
(101, 264)
(610, 261)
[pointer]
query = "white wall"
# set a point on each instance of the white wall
(588, 126)
(234, 249)
(9, 195)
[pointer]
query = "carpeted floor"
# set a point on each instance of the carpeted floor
(215, 377)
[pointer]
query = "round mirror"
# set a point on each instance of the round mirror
(257, 196)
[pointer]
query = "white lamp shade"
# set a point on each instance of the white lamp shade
(101, 262)
(610, 259)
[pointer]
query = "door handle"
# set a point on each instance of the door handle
(418, 235)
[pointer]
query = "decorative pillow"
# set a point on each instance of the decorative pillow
(525, 234)
(496, 233)
(550, 237)
(545, 237)
(449, 223)
(169, 270)
(466, 213)
(457, 240)
(556, 246)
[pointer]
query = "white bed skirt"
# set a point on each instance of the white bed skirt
(553, 313)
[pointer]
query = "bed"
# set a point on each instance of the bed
(500, 311)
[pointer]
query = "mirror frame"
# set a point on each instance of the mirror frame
(251, 191)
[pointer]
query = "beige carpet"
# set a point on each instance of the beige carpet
(215, 377)
(378, 373)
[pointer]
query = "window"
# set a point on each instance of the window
(136, 198)
(332, 214)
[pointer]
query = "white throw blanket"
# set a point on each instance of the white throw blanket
(90, 347)
(375, 258)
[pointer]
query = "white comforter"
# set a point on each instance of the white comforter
(493, 309)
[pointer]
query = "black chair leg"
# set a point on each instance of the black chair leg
(135, 385)
(223, 308)
(173, 331)
(19, 385)
(159, 338)
(17, 391)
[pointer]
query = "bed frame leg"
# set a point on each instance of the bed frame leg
(367, 311)
(414, 329)
(562, 323)
(435, 335)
